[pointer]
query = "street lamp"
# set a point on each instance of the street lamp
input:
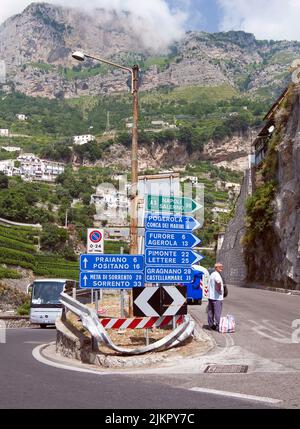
(80, 56)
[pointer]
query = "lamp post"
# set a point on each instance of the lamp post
(80, 56)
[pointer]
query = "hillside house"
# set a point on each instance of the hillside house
(4, 132)
(21, 117)
(84, 139)
(261, 143)
(11, 148)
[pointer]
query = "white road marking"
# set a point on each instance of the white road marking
(36, 353)
(236, 395)
(277, 335)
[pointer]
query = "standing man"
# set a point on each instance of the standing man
(215, 297)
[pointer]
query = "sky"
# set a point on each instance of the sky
(266, 19)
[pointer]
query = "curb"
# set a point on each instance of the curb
(46, 355)
(269, 288)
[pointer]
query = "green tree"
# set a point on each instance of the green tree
(3, 181)
(53, 238)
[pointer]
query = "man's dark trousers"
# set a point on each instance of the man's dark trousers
(214, 312)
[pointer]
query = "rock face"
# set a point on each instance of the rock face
(36, 46)
(273, 255)
(230, 153)
(287, 222)
(231, 253)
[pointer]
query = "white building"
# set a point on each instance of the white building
(111, 205)
(80, 140)
(11, 148)
(193, 179)
(8, 168)
(34, 168)
(4, 132)
(21, 117)
(217, 210)
(163, 124)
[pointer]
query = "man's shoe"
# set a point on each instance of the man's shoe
(214, 328)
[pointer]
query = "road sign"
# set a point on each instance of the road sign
(171, 257)
(170, 240)
(110, 280)
(170, 204)
(174, 300)
(95, 240)
(159, 274)
(111, 262)
(170, 222)
(159, 301)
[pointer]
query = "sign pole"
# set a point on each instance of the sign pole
(122, 297)
(96, 301)
(147, 337)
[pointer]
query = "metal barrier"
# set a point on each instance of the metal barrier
(91, 322)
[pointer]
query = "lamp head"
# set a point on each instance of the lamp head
(79, 56)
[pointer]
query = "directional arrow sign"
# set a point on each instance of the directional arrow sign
(171, 257)
(174, 300)
(110, 280)
(146, 302)
(100, 262)
(159, 301)
(174, 240)
(158, 274)
(170, 204)
(170, 222)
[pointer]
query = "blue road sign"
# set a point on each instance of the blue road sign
(170, 222)
(168, 274)
(110, 280)
(175, 240)
(103, 262)
(171, 257)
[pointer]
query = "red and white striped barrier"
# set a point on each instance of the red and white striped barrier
(140, 323)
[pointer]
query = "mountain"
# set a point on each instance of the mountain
(36, 46)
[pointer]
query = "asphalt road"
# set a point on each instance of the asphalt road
(263, 341)
(27, 383)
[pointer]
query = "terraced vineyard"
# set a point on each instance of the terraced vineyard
(18, 248)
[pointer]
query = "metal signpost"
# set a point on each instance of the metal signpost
(171, 222)
(170, 204)
(111, 271)
(168, 249)
(171, 257)
(169, 240)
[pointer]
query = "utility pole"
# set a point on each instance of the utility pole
(134, 72)
(134, 167)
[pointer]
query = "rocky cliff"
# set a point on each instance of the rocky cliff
(272, 240)
(36, 46)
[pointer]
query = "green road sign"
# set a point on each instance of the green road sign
(161, 203)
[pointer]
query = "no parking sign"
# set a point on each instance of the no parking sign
(95, 240)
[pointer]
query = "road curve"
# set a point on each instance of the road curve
(27, 383)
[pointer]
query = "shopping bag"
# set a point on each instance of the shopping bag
(227, 324)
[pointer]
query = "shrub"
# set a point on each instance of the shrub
(24, 309)
(259, 212)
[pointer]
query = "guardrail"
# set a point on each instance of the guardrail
(91, 322)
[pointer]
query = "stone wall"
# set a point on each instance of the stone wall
(231, 253)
